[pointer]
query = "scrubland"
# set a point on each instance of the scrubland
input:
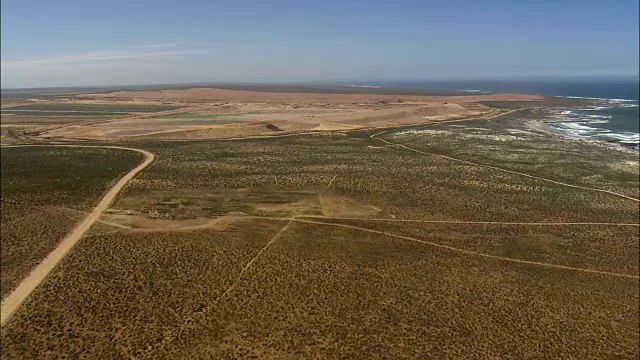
(117, 293)
(337, 244)
(44, 191)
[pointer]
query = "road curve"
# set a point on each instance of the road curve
(17, 297)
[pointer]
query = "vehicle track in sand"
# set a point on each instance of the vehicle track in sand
(461, 222)
(26, 287)
(142, 115)
(308, 219)
(173, 334)
(311, 217)
(473, 253)
(375, 136)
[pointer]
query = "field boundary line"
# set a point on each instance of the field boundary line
(115, 224)
(505, 170)
(133, 116)
(474, 253)
(387, 128)
(317, 132)
(16, 298)
(436, 222)
(466, 222)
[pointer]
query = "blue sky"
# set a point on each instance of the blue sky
(66, 43)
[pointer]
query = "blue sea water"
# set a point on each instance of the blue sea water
(615, 117)
(596, 88)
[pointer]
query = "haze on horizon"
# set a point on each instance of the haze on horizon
(72, 43)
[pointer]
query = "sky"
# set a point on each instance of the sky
(117, 42)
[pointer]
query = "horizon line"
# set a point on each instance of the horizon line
(632, 78)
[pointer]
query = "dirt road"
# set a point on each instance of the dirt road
(13, 301)
(375, 136)
(470, 252)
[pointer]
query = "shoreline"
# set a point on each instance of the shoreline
(543, 125)
(594, 124)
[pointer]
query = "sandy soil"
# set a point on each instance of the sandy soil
(238, 113)
(334, 205)
(212, 94)
(266, 119)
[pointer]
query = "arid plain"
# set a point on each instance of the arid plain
(294, 222)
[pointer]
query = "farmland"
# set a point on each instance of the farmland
(110, 115)
(24, 116)
(323, 226)
(82, 107)
(198, 116)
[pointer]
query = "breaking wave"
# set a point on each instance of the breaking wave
(595, 122)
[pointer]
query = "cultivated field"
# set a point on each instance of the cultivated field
(296, 225)
(205, 113)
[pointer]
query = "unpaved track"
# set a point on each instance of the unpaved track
(172, 335)
(474, 253)
(254, 259)
(375, 136)
(321, 217)
(17, 297)
(466, 222)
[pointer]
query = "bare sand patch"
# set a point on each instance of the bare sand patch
(210, 113)
(212, 94)
(333, 126)
(125, 219)
(343, 206)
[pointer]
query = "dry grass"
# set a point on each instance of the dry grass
(40, 188)
(608, 248)
(186, 174)
(28, 239)
(334, 293)
(117, 293)
(318, 291)
(324, 291)
(519, 142)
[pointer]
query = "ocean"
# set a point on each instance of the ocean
(614, 117)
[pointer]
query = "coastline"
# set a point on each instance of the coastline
(605, 121)
(543, 126)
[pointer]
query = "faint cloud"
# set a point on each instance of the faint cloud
(150, 51)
